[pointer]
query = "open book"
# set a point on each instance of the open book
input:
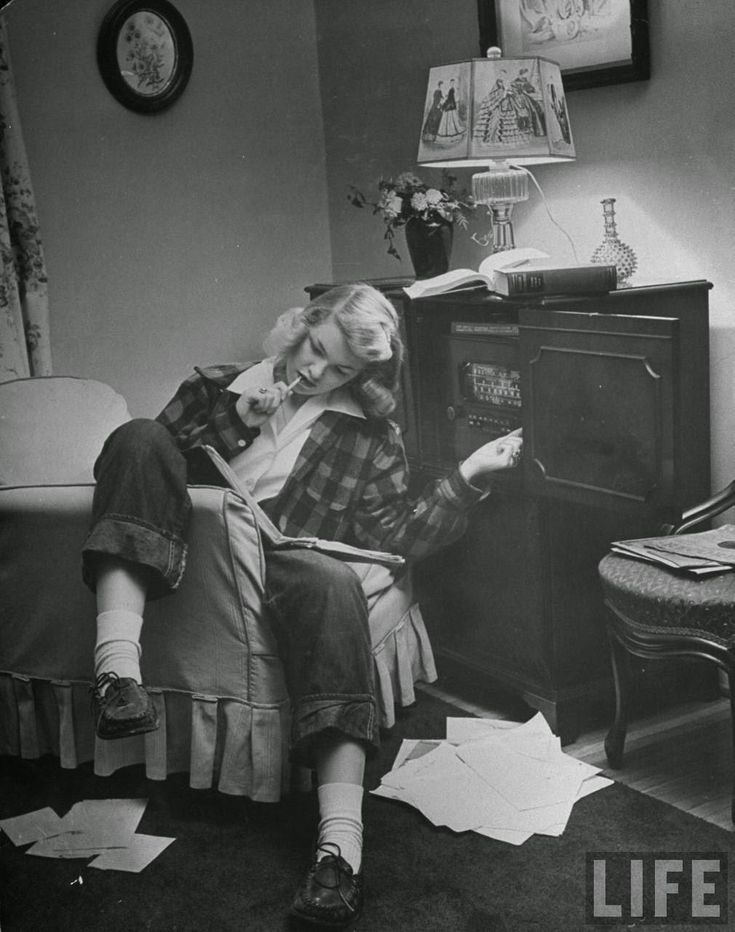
(521, 272)
(276, 539)
(468, 278)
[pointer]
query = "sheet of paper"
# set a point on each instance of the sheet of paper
(536, 725)
(512, 838)
(388, 792)
(555, 829)
(407, 745)
(535, 747)
(460, 730)
(453, 796)
(517, 779)
(539, 745)
(420, 748)
(592, 785)
(99, 828)
(140, 852)
(102, 823)
(60, 846)
(32, 826)
(507, 782)
(91, 827)
(537, 821)
(409, 769)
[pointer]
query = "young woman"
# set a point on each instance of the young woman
(307, 430)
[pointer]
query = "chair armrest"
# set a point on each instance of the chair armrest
(208, 637)
(46, 612)
(704, 511)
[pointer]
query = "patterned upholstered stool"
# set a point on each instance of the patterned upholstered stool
(657, 614)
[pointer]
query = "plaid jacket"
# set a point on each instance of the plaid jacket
(349, 482)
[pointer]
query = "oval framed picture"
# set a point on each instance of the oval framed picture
(145, 54)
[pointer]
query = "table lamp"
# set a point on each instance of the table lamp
(498, 114)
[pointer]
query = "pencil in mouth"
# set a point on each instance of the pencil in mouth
(293, 384)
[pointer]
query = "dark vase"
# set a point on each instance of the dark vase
(430, 246)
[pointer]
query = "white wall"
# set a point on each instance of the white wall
(173, 239)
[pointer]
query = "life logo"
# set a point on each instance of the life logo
(656, 888)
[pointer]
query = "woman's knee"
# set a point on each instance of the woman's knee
(140, 431)
(307, 582)
(135, 440)
(326, 570)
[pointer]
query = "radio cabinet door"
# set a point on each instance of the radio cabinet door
(599, 407)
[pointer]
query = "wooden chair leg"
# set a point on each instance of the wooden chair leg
(731, 690)
(615, 740)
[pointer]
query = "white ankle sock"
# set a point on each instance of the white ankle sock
(118, 644)
(340, 811)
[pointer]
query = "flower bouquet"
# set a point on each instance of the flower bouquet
(408, 198)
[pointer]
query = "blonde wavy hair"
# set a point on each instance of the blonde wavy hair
(369, 324)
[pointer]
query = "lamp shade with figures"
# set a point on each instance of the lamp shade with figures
(497, 114)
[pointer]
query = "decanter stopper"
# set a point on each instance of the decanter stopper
(611, 250)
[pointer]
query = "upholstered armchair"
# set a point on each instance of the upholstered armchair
(209, 659)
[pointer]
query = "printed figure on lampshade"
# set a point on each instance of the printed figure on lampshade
(560, 132)
(495, 109)
(511, 114)
(446, 111)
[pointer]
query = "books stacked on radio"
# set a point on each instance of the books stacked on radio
(701, 554)
(519, 272)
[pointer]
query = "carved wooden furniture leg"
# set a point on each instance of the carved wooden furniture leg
(615, 740)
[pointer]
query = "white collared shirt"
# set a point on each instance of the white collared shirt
(268, 461)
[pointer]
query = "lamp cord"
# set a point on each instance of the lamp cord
(548, 210)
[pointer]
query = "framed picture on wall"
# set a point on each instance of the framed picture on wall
(595, 42)
(145, 54)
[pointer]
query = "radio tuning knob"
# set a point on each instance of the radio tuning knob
(454, 413)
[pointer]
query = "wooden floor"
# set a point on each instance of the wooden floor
(682, 756)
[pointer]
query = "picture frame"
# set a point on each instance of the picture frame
(145, 54)
(595, 42)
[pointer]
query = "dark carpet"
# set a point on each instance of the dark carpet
(235, 864)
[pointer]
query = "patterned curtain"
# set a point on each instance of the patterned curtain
(25, 348)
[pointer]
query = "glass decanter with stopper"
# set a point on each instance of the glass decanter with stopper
(612, 251)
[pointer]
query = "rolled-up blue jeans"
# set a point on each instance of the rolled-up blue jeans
(314, 603)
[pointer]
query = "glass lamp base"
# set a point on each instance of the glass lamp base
(502, 230)
(500, 188)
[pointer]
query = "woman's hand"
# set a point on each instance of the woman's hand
(502, 453)
(256, 405)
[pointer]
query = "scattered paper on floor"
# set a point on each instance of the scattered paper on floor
(139, 854)
(32, 826)
(466, 728)
(497, 778)
(99, 828)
